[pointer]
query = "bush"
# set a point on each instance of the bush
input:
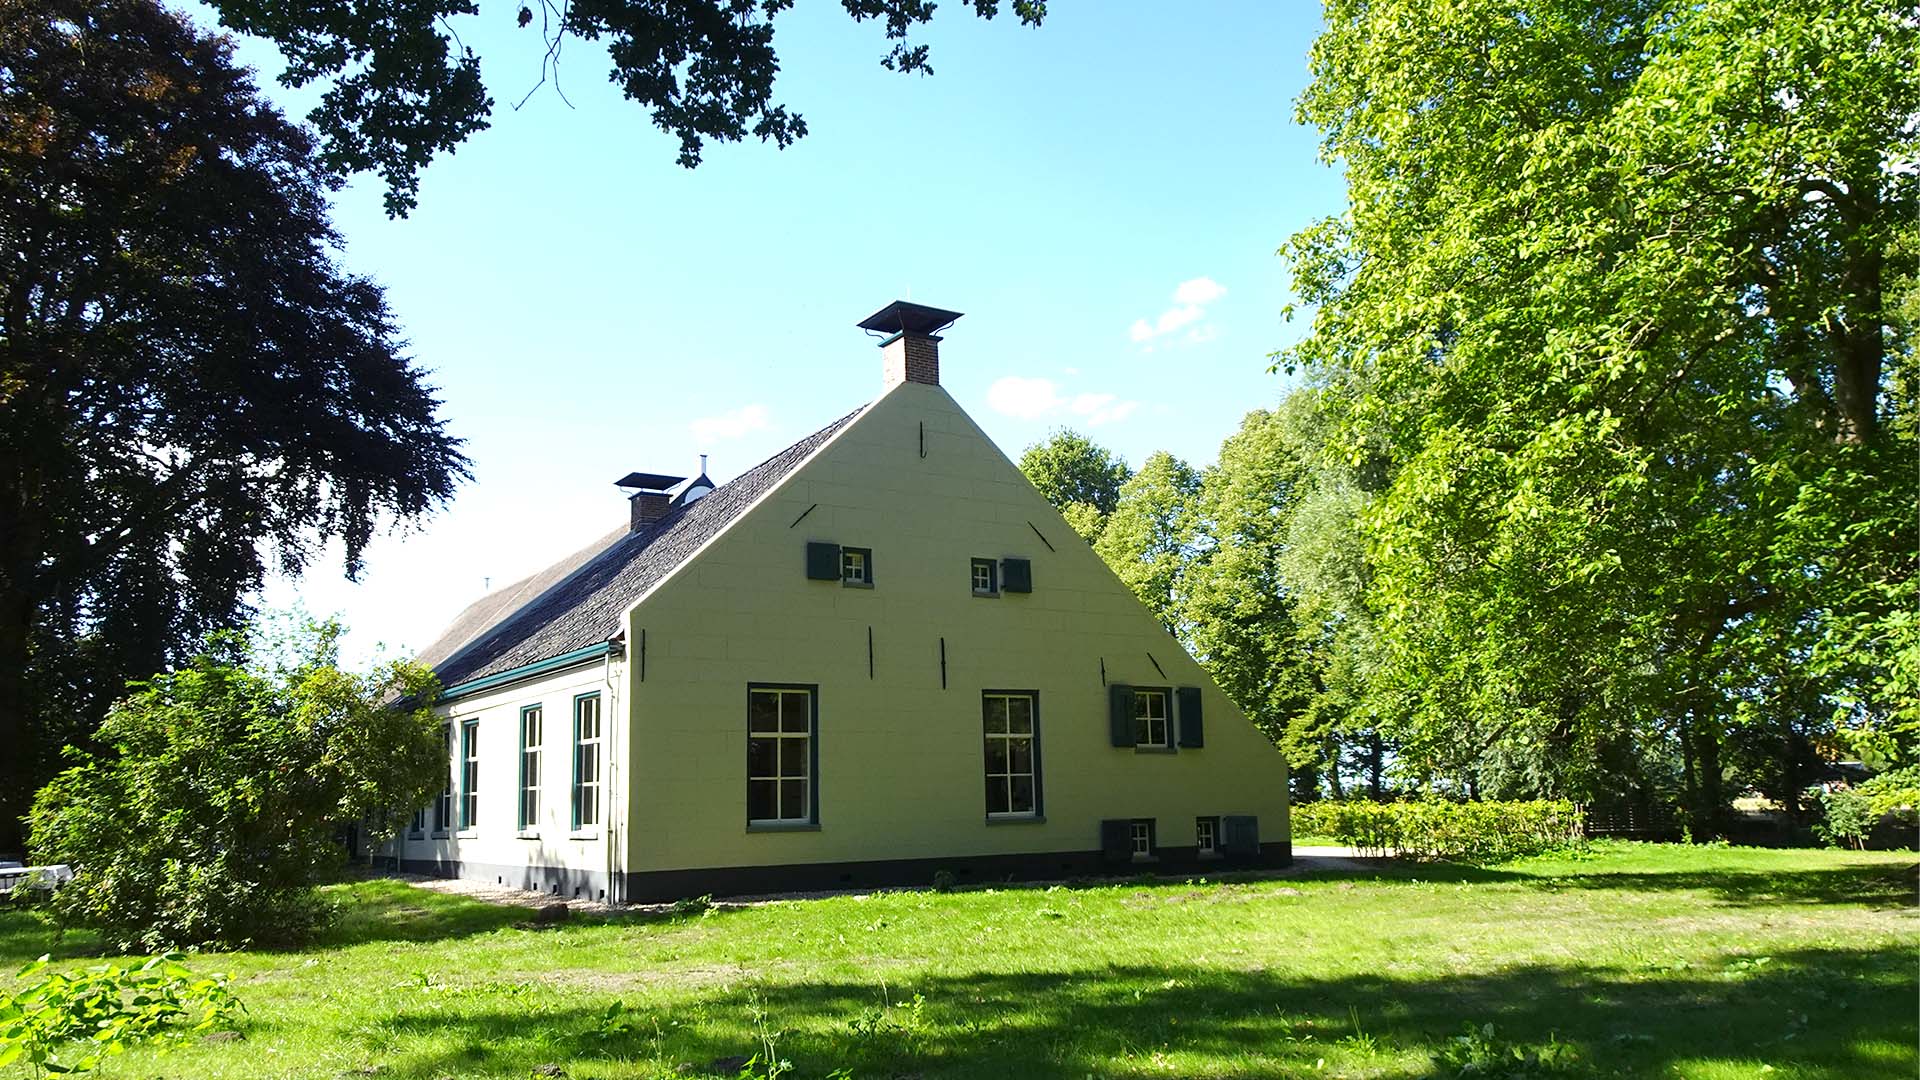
(1437, 829)
(217, 812)
(71, 1022)
(1850, 814)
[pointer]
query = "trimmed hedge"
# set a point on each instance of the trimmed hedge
(1435, 829)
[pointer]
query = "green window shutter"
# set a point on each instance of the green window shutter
(1242, 835)
(823, 561)
(1120, 714)
(1192, 732)
(1116, 840)
(1016, 575)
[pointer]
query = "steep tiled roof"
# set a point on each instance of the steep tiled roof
(579, 601)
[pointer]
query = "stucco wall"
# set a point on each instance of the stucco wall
(901, 765)
(552, 853)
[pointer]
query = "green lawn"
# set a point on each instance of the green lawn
(1650, 960)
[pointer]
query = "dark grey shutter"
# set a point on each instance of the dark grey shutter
(1192, 732)
(1120, 714)
(1116, 840)
(1242, 839)
(1016, 575)
(823, 561)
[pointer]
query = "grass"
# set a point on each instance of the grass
(1696, 962)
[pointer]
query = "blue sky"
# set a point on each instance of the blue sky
(1101, 196)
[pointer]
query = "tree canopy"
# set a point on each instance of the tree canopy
(401, 88)
(1614, 290)
(191, 389)
(1601, 483)
(1078, 476)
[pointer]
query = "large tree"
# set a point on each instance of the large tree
(1619, 285)
(401, 87)
(1081, 478)
(191, 390)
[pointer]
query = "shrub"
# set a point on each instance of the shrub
(217, 812)
(1479, 1052)
(1437, 829)
(71, 1022)
(1850, 814)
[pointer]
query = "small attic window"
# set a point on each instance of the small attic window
(986, 577)
(856, 566)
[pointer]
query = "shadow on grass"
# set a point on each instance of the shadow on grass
(1874, 884)
(368, 910)
(1194, 1021)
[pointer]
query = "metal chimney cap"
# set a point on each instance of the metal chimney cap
(647, 481)
(907, 317)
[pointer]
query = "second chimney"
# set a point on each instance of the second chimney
(652, 499)
(911, 351)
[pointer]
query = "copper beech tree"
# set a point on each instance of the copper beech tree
(191, 389)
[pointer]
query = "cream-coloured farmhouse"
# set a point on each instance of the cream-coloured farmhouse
(877, 655)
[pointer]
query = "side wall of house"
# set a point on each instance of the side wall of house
(901, 669)
(549, 853)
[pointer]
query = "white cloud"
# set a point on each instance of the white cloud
(1191, 299)
(730, 425)
(1034, 399)
(1028, 399)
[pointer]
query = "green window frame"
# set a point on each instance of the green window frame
(532, 742)
(589, 742)
(443, 806)
(783, 755)
(469, 774)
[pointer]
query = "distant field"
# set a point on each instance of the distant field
(1657, 961)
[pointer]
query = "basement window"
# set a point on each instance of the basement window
(1142, 831)
(1206, 836)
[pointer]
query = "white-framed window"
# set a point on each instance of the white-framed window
(1206, 835)
(443, 806)
(780, 761)
(986, 577)
(532, 738)
(469, 774)
(588, 737)
(1150, 718)
(1013, 756)
(856, 566)
(1143, 838)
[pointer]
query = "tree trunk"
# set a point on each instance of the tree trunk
(1376, 756)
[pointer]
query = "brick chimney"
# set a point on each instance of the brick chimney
(650, 500)
(911, 349)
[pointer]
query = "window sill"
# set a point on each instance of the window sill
(783, 826)
(467, 834)
(584, 834)
(856, 584)
(439, 835)
(986, 595)
(1016, 819)
(527, 834)
(1155, 749)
